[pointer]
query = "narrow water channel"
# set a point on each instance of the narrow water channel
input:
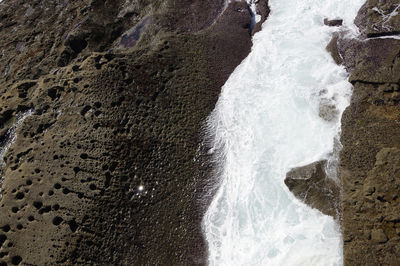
(266, 122)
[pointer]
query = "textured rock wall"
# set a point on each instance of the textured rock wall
(369, 161)
(110, 169)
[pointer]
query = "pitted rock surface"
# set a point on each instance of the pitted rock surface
(110, 168)
(370, 136)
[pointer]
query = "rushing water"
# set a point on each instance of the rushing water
(266, 121)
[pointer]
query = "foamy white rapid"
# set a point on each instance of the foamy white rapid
(266, 121)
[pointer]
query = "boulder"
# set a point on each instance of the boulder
(327, 110)
(310, 184)
(333, 22)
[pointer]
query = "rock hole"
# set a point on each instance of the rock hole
(52, 93)
(73, 225)
(45, 210)
(37, 204)
(85, 110)
(77, 44)
(3, 238)
(108, 180)
(57, 220)
(77, 169)
(6, 228)
(16, 260)
(381, 199)
(20, 195)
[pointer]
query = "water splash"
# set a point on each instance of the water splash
(12, 136)
(265, 122)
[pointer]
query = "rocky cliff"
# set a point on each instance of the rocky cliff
(369, 167)
(102, 104)
(370, 159)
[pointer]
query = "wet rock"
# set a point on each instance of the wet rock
(263, 10)
(333, 49)
(333, 22)
(310, 184)
(378, 18)
(327, 110)
(130, 38)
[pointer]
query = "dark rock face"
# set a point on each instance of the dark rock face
(378, 18)
(263, 10)
(110, 169)
(369, 161)
(333, 49)
(310, 184)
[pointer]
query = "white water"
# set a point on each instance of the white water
(266, 122)
(10, 141)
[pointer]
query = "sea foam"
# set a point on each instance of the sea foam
(266, 121)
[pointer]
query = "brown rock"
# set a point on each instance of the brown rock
(109, 162)
(369, 161)
(374, 19)
(310, 184)
(333, 22)
(378, 236)
(333, 49)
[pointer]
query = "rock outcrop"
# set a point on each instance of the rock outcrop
(109, 168)
(333, 22)
(369, 161)
(310, 184)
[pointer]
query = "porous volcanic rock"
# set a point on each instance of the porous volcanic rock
(310, 184)
(369, 160)
(379, 18)
(110, 168)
